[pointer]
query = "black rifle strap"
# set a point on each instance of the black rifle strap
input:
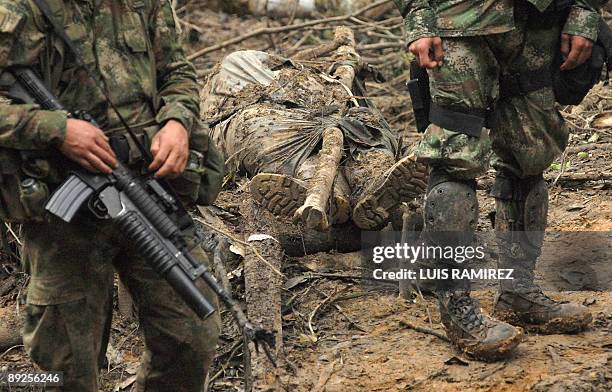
(61, 33)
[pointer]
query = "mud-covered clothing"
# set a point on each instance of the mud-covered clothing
(133, 47)
(526, 131)
(463, 18)
(268, 115)
(141, 62)
(71, 269)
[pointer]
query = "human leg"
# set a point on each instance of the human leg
(70, 278)
(179, 347)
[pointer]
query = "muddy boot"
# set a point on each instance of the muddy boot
(520, 221)
(282, 194)
(533, 310)
(380, 185)
(473, 332)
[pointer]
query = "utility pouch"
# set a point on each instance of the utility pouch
(22, 196)
(418, 87)
(202, 179)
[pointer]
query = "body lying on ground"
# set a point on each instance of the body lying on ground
(290, 127)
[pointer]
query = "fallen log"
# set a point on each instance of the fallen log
(263, 297)
(313, 213)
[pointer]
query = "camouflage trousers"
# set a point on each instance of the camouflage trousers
(72, 269)
(526, 132)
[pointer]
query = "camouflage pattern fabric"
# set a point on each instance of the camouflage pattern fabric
(463, 18)
(133, 47)
(527, 132)
(71, 268)
(159, 84)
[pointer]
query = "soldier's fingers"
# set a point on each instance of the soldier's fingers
(585, 54)
(572, 59)
(183, 163)
(155, 146)
(160, 157)
(102, 144)
(85, 164)
(98, 164)
(105, 156)
(425, 58)
(438, 51)
(565, 44)
(170, 166)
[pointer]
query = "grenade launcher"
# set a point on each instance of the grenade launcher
(144, 210)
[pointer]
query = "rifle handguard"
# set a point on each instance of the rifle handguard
(163, 262)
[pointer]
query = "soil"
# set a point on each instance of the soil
(341, 335)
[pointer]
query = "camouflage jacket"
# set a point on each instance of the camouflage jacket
(452, 18)
(132, 45)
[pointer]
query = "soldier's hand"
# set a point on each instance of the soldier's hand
(170, 149)
(576, 50)
(88, 146)
(428, 51)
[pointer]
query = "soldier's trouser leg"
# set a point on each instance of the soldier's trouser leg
(521, 209)
(179, 347)
(528, 134)
(71, 272)
(457, 148)
(70, 276)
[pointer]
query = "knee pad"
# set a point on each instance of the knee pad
(451, 209)
(522, 209)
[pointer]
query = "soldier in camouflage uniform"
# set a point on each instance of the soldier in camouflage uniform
(133, 47)
(489, 64)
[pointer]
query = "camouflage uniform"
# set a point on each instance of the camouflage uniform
(520, 133)
(134, 48)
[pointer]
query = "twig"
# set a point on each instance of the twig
(10, 230)
(562, 170)
(281, 29)
(426, 330)
(351, 321)
(237, 240)
(238, 344)
(10, 349)
(314, 312)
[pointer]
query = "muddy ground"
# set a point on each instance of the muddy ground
(340, 335)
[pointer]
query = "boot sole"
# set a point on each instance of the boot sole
(282, 195)
(552, 327)
(405, 180)
(490, 353)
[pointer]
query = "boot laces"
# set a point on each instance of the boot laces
(537, 296)
(467, 312)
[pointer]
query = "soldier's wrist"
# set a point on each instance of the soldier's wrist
(582, 22)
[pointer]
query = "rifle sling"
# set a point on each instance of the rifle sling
(61, 33)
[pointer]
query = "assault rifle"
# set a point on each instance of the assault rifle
(144, 210)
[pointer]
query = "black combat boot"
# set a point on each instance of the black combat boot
(475, 333)
(520, 221)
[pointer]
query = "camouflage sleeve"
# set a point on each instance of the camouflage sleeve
(419, 18)
(176, 76)
(24, 127)
(584, 19)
